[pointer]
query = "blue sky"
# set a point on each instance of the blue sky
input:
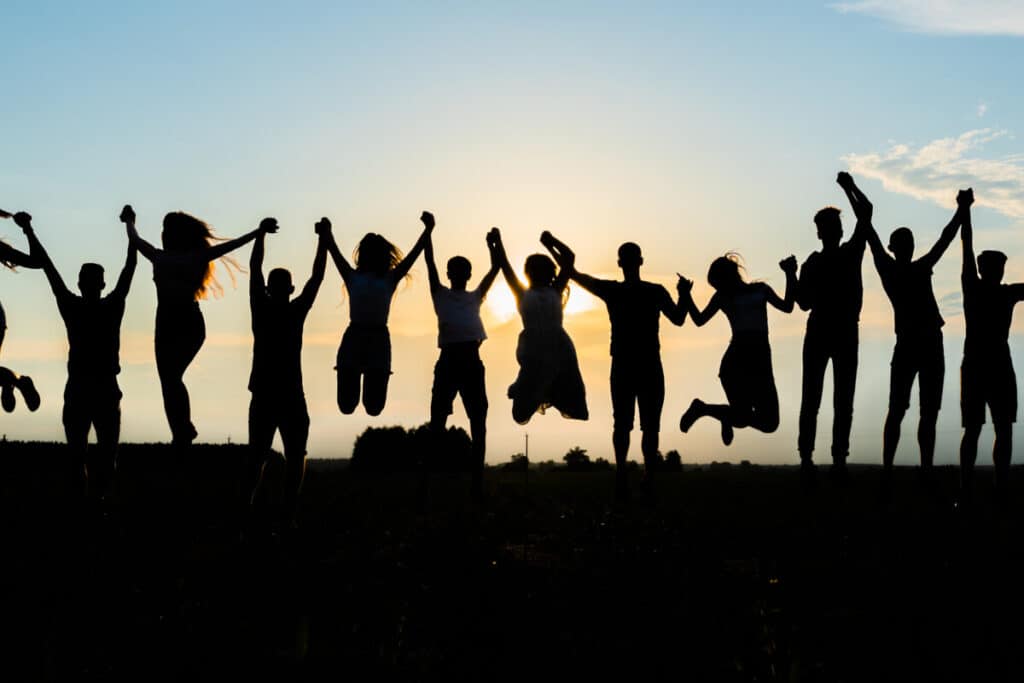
(692, 128)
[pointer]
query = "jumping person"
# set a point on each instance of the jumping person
(987, 377)
(746, 369)
(635, 308)
(92, 397)
(918, 351)
(10, 380)
(459, 370)
(830, 286)
(364, 356)
(549, 372)
(278, 399)
(183, 274)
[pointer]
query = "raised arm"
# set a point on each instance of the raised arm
(788, 266)
(340, 262)
(267, 225)
(563, 256)
(124, 280)
(257, 283)
(945, 239)
(676, 311)
(498, 249)
(699, 317)
(151, 253)
(316, 278)
(39, 255)
(11, 257)
(490, 275)
(863, 209)
(402, 269)
(969, 272)
(432, 277)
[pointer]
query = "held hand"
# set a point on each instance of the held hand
(127, 215)
(788, 265)
(683, 286)
(547, 239)
(23, 220)
(428, 220)
(965, 198)
(323, 227)
(845, 180)
(269, 225)
(494, 239)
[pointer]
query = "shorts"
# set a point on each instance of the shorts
(921, 358)
(637, 383)
(459, 371)
(365, 350)
(92, 405)
(286, 413)
(991, 383)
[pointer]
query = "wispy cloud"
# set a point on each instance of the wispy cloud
(935, 171)
(969, 17)
(982, 109)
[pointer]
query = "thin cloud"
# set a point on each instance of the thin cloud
(935, 171)
(949, 17)
(982, 110)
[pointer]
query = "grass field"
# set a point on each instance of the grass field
(735, 574)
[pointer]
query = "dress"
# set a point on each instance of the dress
(549, 372)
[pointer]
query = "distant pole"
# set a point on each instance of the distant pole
(526, 452)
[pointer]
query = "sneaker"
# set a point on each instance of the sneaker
(727, 433)
(28, 392)
(692, 414)
(7, 398)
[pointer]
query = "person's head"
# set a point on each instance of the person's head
(90, 280)
(830, 227)
(901, 244)
(630, 258)
(185, 232)
(991, 266)
(377, 255)
(459, 271)
(724, 274)
(279, 284)
(540, 270)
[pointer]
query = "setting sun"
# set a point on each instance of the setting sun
(502, 305)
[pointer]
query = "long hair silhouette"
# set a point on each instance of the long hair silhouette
(183, 232)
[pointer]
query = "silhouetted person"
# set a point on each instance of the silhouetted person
(183, 274)
(635, 308)
(918, 351)
(987, 376)
(10, 380)
(92, 397)
(746, 369)
(278, 400)
(459, 370)
(831, 288)
(549, 372)
(364, 356)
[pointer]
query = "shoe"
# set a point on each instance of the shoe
(727, 433)
(7, 398)
(692, 414)
(28, 392)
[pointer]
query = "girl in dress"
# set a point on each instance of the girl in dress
(549, 372)
(746, 369)
(364, 357)
(10, 380)
(183, 274)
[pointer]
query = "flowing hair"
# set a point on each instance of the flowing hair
(541, 271)
(185, 232)
(727, 270)
(5, 260)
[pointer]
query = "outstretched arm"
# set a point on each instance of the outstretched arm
(969, 272)
(699, 317)
(257, 283)
(945, 239)
(38, 253)
(432, 276)
(785, 304)
(267, 225)
(498, 249)
(402, 269)
(676, 311)
(316, 278)
(124, 280)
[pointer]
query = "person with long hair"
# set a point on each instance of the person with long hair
(746, 369)
(549, 371)
(364, 356)
(183, 273)
(10, 381)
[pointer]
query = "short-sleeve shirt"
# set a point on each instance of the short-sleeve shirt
(988, 312)
(94, 335)
(634, 310)
(831, 284)
(909, 287)
(458, 316)
(277, 343)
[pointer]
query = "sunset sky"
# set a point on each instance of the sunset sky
(690, 128)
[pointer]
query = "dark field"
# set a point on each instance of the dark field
(736, 574)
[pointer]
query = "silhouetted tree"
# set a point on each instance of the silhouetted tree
(394, 449)
(673, 461)
(518, 463)
(577, 460)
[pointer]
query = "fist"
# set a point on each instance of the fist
(23, 220)
(428, 220)
(323, 226)
(683, 286)
(844, 179)
(127, 215)
(964, 198)
(545, 238)
(269, 225)
(494, 238)
(788, 265)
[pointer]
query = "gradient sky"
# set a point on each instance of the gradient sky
(691, 128)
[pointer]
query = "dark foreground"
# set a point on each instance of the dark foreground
(736, 574)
